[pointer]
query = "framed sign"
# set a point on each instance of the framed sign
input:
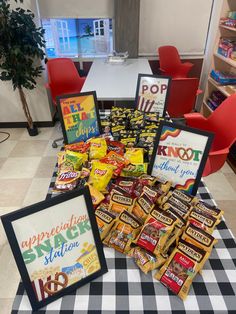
(56, 245)
(79, 116)
(152, 93)
(180, 155)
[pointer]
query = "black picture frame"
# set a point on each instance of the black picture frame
(140, 76)
(58, 100)
(8, 221)
(207, 147)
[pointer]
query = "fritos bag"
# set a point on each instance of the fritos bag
(199, 237)
(184, 263)
(123, 232)
(105, 221)
(156, 230)
(145, 260)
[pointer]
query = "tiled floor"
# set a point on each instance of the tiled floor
(26, 166)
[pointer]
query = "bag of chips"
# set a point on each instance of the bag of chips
(115, 146)
(145, 260)
(105, 221)
(118, 165)
(117, 157)
(74, 160)
(156, 230)
(134, 170)
(80, 147)
(60, 158)
(97, 197)
(98, 148)
(134, 155)
(123, 232)
(100, 175)
(128, 184)
(184, 263)
(199, 237)
(66, 180)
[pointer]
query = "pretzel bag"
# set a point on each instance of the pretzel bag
(156, 230)
(210, 210)
(202, 220)
(105, 221)
(181, 267)
(199, 237)
(123, 232)
(145, 260)
(142, 207)
(119, 202)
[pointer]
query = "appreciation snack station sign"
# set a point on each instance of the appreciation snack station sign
(180, 155)
(79, 116)
(56, 246)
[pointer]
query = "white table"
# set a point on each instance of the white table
(115, 81)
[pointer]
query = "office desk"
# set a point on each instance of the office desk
(125, 289)
(115, 81)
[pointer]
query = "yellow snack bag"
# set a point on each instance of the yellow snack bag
(142, 207)
(199, 237)
(119, 202)
(184, 197)
(156, 230)
(98, 148)
(100, 175)
(73, 160)
(134, 170)
(123, 232)
(210, 210)
(202, 220)
(134, 155)
(105, 221)
(184, 263)
(97, 197)
(145, 260)
(60, 159)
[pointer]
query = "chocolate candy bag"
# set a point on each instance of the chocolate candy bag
(145, 260)
(105, 221)
(182, 266)
(156, 230)
(123, 232)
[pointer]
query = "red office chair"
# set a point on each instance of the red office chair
(182, 96)
(63, 78)
(222, 123)
(170, 63)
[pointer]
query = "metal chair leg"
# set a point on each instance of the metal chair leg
(54, 143)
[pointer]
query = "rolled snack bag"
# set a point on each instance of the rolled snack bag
(182, 266)
(145, 260)
(210, 210)
(202, 220)
(123, 232)
(105, 221)
(177, 231)
(119, 202)
(97, 197)
(100, 175)
(143, 207)
(199, 237)
(98, 148)
(156, 230)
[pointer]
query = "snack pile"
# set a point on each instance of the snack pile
(160, 227)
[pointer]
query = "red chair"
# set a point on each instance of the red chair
(63, 78)
(182, 96)
(222, 123)
(170, 63)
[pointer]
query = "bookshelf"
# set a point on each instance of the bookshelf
(221, 63)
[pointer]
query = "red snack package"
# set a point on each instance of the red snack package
(78, 147)
(126, 184)
(115, 146)
(119, 165)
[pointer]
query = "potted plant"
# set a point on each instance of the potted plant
(21, 48)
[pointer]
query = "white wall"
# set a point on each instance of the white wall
(10, 105)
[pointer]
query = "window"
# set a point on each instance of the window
(78, 37)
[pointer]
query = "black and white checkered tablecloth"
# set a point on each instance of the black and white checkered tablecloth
(125, 289)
